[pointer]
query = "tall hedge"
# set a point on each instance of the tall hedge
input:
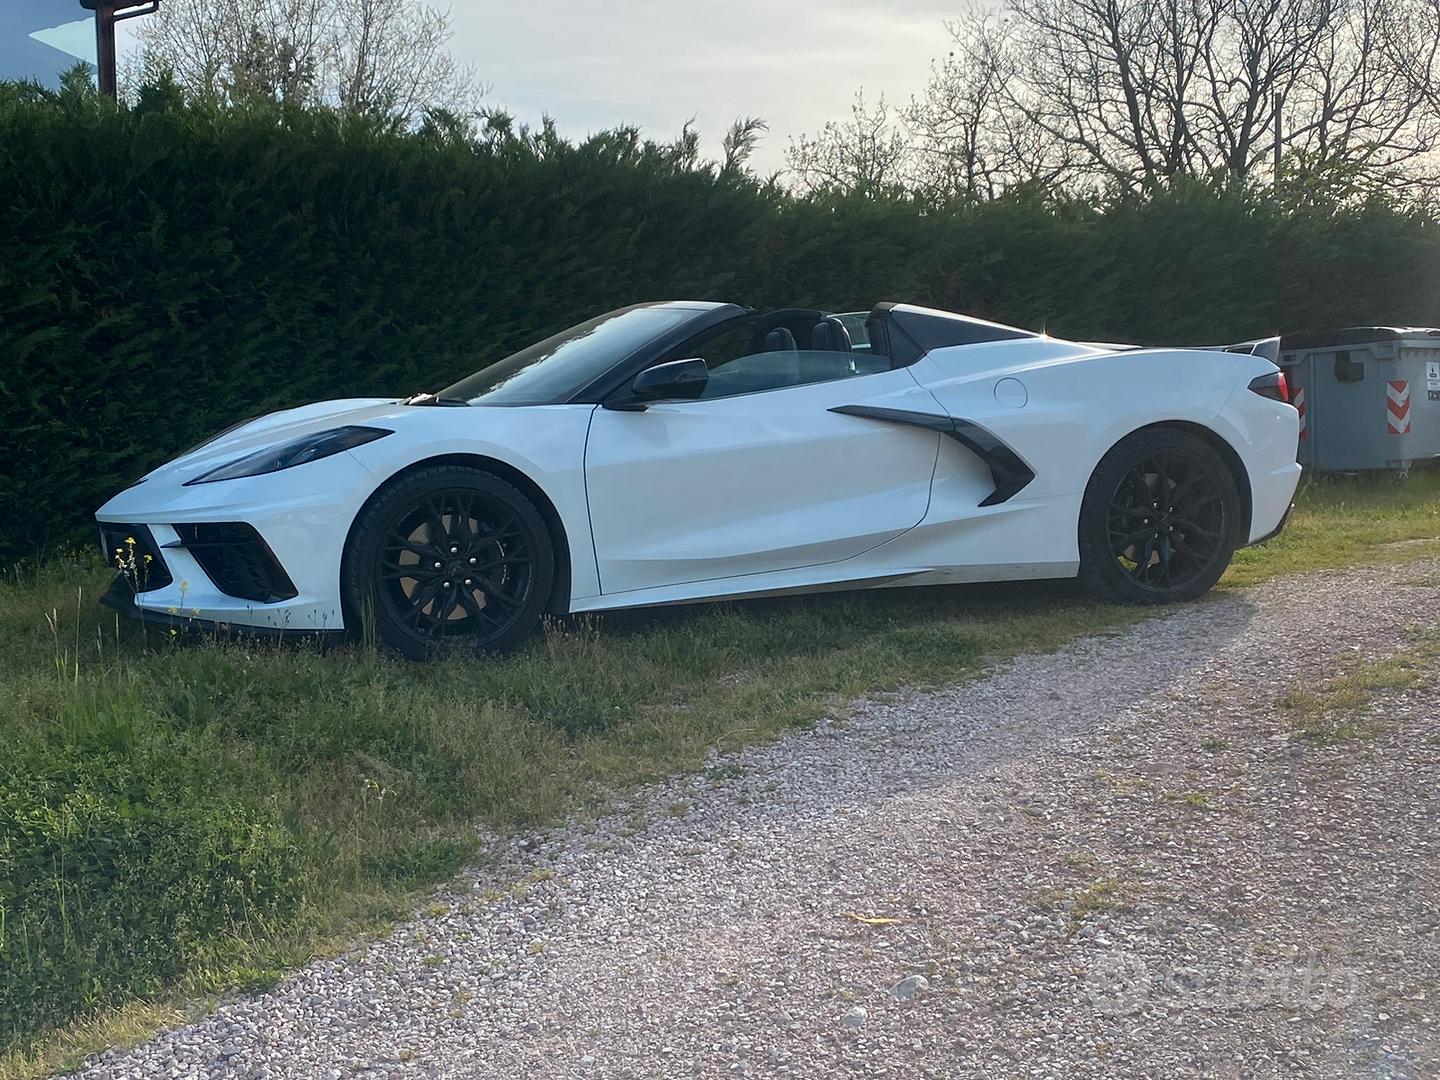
(168, 269)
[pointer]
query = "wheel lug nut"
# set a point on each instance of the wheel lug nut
(473, 560)
(437, 566)
(454, 551)
(467, 582)
(446, 584)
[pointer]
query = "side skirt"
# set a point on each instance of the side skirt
(795, 583)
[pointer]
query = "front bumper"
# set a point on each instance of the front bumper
(259, 553)
(122, 598)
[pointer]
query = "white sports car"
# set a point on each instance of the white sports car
(683, 451)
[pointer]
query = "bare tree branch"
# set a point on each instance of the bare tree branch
(381, 56)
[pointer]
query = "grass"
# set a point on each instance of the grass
(1340, 708)
(369, 775)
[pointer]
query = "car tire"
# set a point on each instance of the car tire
(448, 560)
(1160, 519)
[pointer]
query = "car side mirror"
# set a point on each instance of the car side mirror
(675, 380)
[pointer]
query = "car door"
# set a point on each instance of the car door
(758, 476)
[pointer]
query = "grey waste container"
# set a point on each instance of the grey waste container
(1369, 396)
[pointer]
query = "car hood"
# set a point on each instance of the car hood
(278, 427)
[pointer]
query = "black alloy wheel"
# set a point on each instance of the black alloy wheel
(449, 559)
(1160, 519)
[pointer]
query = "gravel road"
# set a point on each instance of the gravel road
(1120, 859)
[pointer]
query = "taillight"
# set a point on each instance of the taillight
(1272, 386)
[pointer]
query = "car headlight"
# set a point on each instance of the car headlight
(295, 452)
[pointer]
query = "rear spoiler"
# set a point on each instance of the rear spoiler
(1269, 348)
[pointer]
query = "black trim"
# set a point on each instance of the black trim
(119, 597)
(931, 330)
(1007, 468)
(237, 559)
(1284, 520)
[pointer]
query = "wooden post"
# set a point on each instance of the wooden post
(105, 48)
(107, 14)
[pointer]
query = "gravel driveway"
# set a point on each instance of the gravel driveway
(1116, 860)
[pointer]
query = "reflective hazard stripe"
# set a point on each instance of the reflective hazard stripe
(1299, 402)
(1397, 407)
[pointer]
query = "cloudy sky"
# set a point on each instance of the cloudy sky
(593, 64)
(656, 63)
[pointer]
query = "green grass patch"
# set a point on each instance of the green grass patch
(1339, 521)
(181, 818)
(1339, 709)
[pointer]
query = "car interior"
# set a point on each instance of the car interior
(790, 347)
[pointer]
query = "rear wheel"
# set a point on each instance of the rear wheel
(1160, 519)
(449, 559)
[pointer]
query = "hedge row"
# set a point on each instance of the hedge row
(168, 269)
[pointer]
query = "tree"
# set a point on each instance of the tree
(966, 141)
(378, 56)
(1325, 98)
(868, 155)
(1132, 93)
(740, 142)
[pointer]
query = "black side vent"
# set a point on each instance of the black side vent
(1007, 468)
(132, 550)
(236, 558)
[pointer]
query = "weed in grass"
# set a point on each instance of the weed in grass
(1197, 799)
(1095, 899)
(1340, 708)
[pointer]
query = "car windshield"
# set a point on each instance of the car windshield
(556, 369)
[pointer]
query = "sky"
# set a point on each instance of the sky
(41, 38)
(592, 64)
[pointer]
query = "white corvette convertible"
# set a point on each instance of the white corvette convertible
(683, 451)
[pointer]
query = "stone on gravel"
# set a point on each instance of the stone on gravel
(908, 987)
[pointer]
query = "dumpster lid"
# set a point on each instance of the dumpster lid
(1356, 335)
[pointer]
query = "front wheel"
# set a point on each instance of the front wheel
(449, 559)
(1160, 519)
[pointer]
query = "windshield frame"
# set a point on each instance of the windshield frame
(624, 366)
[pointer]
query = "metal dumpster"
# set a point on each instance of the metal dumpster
(1369, 396)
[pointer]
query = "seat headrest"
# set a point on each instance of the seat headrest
(830, 335)
(779, 340)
